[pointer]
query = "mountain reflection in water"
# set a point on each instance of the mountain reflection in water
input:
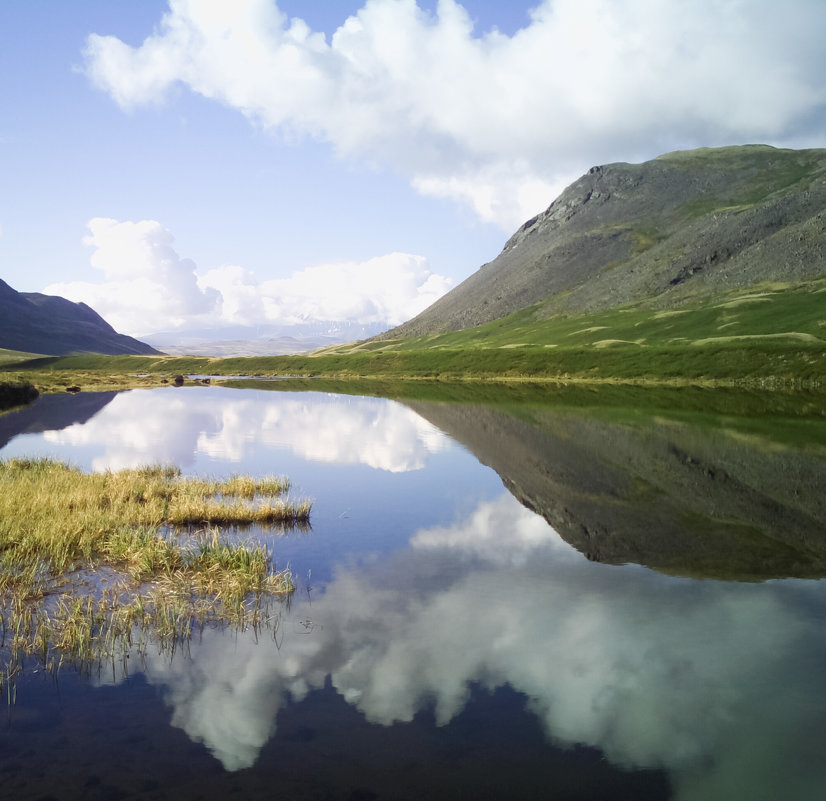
(700, 498)
(52, 413)
(716, 685)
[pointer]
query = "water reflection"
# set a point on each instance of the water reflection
(715, 497)
(51, 412)
(178, 425)
(719, 684)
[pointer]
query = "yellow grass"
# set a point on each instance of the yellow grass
(54, 516)
(57, 522)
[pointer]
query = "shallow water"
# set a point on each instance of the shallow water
(445, 640)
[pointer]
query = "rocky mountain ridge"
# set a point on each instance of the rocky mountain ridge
(663, 233)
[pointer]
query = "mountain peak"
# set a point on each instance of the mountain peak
(679, 227)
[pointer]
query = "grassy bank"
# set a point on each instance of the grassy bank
(764, 363)
(772, 335)
(86, 557)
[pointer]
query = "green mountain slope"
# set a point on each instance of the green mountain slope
(680, 229)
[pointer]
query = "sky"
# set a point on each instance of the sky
(197, 163)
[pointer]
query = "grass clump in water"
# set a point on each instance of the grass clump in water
(16, 393)
(53, 517)
(60, 527)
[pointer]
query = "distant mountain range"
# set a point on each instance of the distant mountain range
(678, 229)
(36, 323)
(262, 340)
(51, 325)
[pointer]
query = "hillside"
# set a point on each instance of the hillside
(680, 229)
(30, 321)
(706, 267)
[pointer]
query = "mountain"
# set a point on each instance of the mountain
(671, 231)
(36, 323)
(269, 339)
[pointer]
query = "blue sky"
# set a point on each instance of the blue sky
(200, 162)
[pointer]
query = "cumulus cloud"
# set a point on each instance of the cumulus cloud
(494, 121)
(148, 287)
(386, 289)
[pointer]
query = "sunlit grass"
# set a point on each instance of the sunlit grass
(58, 523)
(53, 516)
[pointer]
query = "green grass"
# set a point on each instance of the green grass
(767, 336)
(53, 516)
(768, 332)
(12, 356)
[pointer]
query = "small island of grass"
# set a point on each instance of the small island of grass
(89, 559)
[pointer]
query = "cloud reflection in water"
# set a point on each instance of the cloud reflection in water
(177, 425)
(718, 683)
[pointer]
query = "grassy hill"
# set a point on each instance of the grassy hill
(677, 230)
(770, 332)
(770, 335)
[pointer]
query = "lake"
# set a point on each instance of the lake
(538, 593)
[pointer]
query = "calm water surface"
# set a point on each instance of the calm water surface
(445, 641)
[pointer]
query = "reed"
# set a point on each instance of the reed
(16, 393)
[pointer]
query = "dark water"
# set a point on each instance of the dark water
(446, 640)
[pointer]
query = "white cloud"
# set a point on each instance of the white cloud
(494, 121)
(386, 289)
(150, 288)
